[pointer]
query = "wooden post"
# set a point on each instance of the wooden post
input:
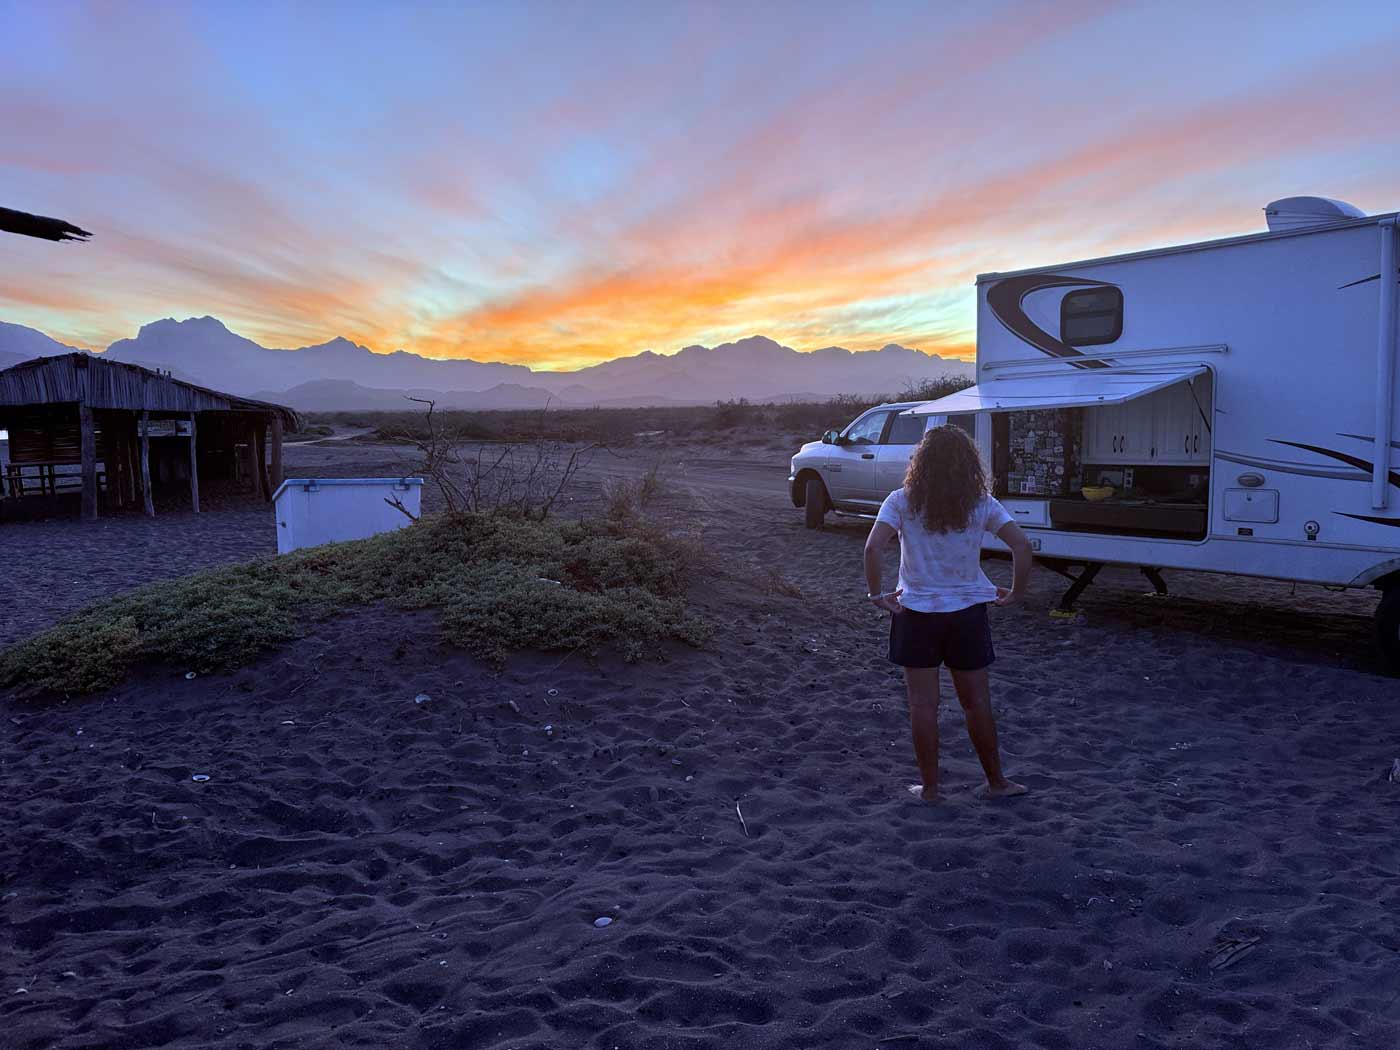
(131, 460)
(260, 459)
(250, 456)
(88, 446)
(276, 479)
(112, 456)
(194, 466)
(146, 465)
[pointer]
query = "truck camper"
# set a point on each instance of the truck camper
(1227, 406)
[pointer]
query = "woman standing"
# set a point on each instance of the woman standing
(939, 609)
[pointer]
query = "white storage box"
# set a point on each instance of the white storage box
(313, 511)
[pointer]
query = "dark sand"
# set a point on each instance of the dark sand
(1208, 857)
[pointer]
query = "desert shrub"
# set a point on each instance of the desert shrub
(774, 582)
(626, 498)
(499, 584)
(413, 427)
(933, 389)
(731, 414)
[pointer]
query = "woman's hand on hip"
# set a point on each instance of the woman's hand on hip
(1007, 596)
(888, 602)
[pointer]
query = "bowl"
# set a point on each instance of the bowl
(1094, 493)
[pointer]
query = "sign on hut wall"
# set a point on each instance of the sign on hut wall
(165, 428)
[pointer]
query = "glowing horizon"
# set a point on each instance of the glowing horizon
(557, 188)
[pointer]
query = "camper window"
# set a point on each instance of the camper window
(1091, 317)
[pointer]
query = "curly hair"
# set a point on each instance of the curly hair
(946, 479)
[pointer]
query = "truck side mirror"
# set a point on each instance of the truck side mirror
(831, 437)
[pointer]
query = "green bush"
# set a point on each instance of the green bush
(499, 584)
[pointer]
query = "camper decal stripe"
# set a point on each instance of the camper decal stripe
(1392, 522)
(1364, 280)
(1341, 457)
(1005, 299)
(1369, 440)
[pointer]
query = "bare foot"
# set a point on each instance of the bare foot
(927, 794)
(1006, 789)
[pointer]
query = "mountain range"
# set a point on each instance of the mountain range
(340, 374)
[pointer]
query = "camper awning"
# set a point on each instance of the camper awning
(1079, 389)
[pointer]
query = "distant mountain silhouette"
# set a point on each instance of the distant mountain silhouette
(342, 374)
(25, 344)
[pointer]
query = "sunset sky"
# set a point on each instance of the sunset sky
(557, 184)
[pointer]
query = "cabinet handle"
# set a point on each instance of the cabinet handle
(1186, 443)
(1198, 443)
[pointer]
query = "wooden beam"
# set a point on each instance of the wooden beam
(276, 479)
(194, 466)
(88, 449)
(146, 465)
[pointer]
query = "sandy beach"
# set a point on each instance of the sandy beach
(1207, 857)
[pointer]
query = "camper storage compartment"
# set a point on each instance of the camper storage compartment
(1140, 517)
(1028, 511)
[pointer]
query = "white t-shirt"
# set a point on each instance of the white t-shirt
(942, 571)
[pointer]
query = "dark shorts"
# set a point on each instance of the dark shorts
(962, 639)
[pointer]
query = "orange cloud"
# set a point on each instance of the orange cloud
(803, 257)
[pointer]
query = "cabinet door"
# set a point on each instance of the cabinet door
(1101, 430)
(1135, 430)
(1173, 424)
(1181, 434)
(1201, 409)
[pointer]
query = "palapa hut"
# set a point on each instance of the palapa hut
(131, 429)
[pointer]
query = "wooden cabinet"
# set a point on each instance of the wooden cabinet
(1119, 433)
(1169, 427)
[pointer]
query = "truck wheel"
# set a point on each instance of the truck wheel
(814, 502)
(1388, 626)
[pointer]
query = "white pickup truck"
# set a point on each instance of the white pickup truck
(851, 471)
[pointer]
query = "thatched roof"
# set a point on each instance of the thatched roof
(69, 378)
(41, 226)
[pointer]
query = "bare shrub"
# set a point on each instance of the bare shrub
(522, 478)
(775, 582)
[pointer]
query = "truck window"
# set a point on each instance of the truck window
(1091, 317)
(867, 429)
(906, 430)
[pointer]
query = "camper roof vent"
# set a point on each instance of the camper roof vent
(1298, 213)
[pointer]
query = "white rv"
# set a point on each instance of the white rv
(1229, 406)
